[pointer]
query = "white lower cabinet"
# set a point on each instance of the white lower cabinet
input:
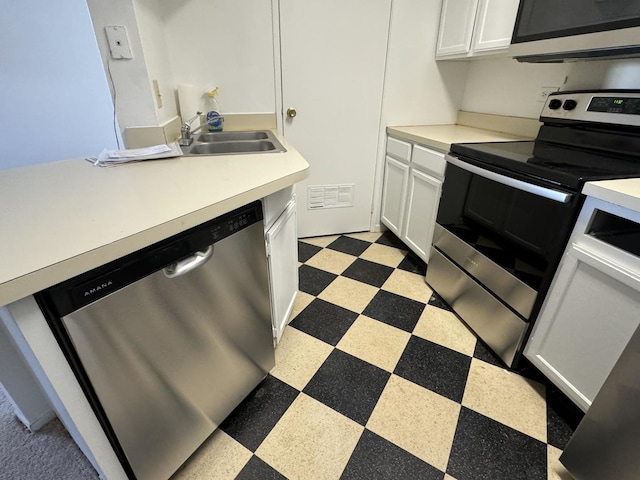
(282, 257)
(411, 195)
(590, 312)
(423, 197)
(394, 193)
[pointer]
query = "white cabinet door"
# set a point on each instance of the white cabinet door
(589, 316)
(282, 252)
(494, 25)
(423, 197)
(394, 192)
(456, 27)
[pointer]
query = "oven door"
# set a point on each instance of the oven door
(496, 245)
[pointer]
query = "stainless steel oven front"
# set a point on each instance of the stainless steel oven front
(497, 242)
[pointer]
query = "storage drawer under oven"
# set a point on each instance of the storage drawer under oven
(500, 328)
(517, 294)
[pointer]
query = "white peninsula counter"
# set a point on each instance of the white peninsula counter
(64, 218)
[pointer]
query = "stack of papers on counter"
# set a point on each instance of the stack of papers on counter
(110, 158)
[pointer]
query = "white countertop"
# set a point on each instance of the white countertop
(624, 192)
(441, 137)
(63, 218)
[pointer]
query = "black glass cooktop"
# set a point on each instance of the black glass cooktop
(584, 156)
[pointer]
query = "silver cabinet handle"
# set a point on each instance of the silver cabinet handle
(549, 193)
(185, 266)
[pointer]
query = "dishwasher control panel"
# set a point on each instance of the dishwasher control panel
(234, 224)
(107, 279)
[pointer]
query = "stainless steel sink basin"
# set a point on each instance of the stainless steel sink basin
(219, 148)
(230, 136)
(234, 143)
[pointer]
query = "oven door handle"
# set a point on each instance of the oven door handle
(551, 194)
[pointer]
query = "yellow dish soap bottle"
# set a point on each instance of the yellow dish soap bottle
(215, 120)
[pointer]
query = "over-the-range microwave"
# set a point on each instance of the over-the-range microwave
(561, 30)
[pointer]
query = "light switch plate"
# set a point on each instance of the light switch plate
(118, 42)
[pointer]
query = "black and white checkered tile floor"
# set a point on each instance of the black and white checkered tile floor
(376, 379)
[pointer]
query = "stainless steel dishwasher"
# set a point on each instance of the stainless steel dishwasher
(167, 341)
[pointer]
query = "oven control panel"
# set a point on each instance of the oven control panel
(621, 104)
(615, 107)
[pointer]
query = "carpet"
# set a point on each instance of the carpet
(47, 454)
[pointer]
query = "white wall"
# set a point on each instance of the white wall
(53, 90)
(418, 90)
(203, 43)
(612, 74)
(506, 87)
(149, 15)
(223, 43)
(134, 98)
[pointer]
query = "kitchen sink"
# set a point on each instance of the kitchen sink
(234, 143)
(224, 148)
(230, 136)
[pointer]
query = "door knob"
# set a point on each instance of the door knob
(291, 112)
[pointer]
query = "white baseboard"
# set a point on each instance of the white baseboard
(39, 422)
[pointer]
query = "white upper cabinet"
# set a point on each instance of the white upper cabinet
(475, 27)
(494, 25)
(456, 27)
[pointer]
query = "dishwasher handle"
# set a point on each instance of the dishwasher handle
(183, 267)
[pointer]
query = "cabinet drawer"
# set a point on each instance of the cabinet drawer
(398, 149)
(429, 160)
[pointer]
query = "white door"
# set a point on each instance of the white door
(333, 58)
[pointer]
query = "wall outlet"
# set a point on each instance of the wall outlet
(118, 42)
(544, 93)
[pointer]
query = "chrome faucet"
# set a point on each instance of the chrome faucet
(185, 131)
